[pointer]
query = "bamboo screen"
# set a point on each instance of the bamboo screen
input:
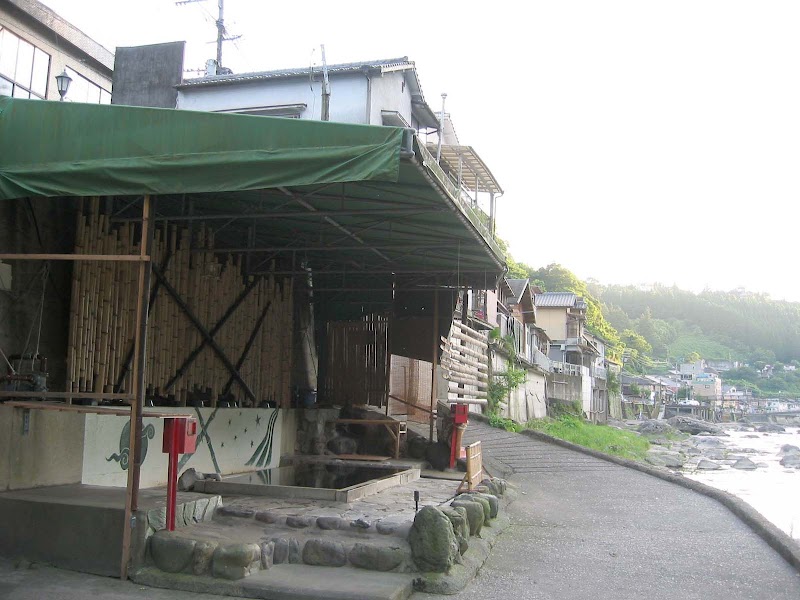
(356, 370)
(102, 317)
(411, 381)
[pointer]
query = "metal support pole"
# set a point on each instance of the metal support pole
(441, 132)
(140, 344)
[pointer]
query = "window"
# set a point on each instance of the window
(23, 67)
(83, 90)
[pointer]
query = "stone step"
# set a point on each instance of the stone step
(292, 582)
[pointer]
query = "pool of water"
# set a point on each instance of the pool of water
(315, 475)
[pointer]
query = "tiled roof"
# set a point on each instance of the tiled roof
(296, 72)
(556, 299)
(517, 287)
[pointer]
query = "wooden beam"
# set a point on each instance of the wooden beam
(140, 337)
(94, 410)
(67, 395)
(110, 257)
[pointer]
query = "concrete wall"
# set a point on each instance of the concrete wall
(61, 448)
(529, 400)
(230, 440)
(49, 453)
(348, 97)
(147, 75)
(66, 45)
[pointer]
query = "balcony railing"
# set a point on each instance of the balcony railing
(570, 369)
(475, 215)
(600, 372)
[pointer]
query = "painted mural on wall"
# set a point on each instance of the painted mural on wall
(230, 440)
(123, 457)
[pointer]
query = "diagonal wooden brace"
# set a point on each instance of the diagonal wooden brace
(247, 346)
(207, 335)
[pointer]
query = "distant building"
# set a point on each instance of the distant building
(36, 44)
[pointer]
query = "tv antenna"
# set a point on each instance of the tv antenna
(222, 33)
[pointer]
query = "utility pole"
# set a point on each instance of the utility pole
(326, 88)
(222, 34)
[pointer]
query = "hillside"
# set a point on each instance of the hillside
(656, 328)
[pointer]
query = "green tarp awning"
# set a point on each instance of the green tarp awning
(70, 149)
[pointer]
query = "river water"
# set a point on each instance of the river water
(772, 490)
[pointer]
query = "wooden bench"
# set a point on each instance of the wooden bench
(395, 428)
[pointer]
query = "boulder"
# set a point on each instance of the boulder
(770, 428)
(188, 478)
(487, 508)
(376, 558)
(416, 447)
(475, 513)
(438, 455)
(458, 518)
(201, 559)
(494, 503)
(693, 426)
(707, 465)
(655, 427)
(171, 553)
(236, 561)
(791, 461)
(395, 526)
(324, 553)
(789, 449)
(715, 454)
(343, 445)
(745, 464)
(655, 459)
(434, 546)
(705, 441)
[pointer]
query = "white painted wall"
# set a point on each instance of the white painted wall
(229, 439)
(389, 92)
(349, 103)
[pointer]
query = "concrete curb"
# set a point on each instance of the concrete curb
(777, 539)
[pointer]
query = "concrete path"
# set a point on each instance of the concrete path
(586, 528)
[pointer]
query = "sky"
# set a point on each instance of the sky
(636, 141)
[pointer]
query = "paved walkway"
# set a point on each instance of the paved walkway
(587, 528)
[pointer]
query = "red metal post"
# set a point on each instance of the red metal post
(172, 473)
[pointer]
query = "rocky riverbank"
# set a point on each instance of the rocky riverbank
(757, 462)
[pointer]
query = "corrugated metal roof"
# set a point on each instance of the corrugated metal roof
(556, 299)
(297, 72)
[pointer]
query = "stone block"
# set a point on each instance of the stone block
(265, 516)
(377, 558)
(324, 553)
(475, 513)
(300, 522)
(458, 518)
(201, 559)
(330, 523)
(171, 553)
(235, 511)
(267, 554)
(235, 561)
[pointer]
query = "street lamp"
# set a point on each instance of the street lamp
(62, 82)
